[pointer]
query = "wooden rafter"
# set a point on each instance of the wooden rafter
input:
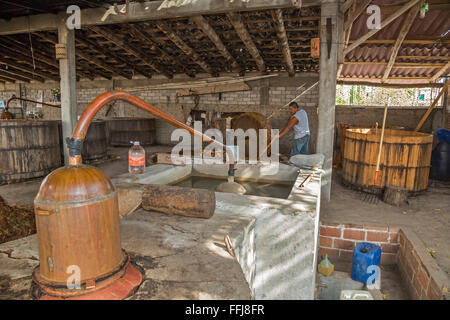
(208, 30)
(109, 53)
(7, 74)
(17, 56)
(79, 54)
(131, 49)
(183, 46)
(39, 56)
(359, 9)
(245, 37)
(440, 72)
(6, 79)
(412, 14)
(147, 39)
(428, 112)
(384, 23)
(21, 66)
(277, 17)
(15, 72)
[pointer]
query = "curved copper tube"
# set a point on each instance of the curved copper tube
(110, 96)
(28, 100)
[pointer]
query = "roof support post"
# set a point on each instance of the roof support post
(68, 83)
(330, 29)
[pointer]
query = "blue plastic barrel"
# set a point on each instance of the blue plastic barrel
(365, 255)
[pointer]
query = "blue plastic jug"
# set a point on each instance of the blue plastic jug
(364, 256)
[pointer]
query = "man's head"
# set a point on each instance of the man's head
(293, 108)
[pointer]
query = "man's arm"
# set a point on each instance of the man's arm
(290, 125)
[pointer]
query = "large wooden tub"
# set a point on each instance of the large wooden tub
(28, 149)
(405, 159)
(123, 130)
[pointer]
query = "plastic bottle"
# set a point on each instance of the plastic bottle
(136, 158)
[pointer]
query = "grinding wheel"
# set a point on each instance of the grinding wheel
(231, 187)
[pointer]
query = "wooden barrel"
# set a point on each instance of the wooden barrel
(341, 139)
(253, 120)
(28, 149)
(123, 130)
(405, 159)
(95, 144)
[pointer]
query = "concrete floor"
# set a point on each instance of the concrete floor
(428, 215)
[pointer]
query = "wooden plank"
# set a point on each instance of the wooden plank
(166, 158)
(360, 8)
(378, 83)
(147, 39)
(183, 46)
(384, 23)
(130, 48)
(221, 88)
(412, 14)
(245, 37)
(20, 66)
(427, 114)
(93, 46)
(144, 11)
(277, 17)
(212, 35)
(8, 75)
(440, 72)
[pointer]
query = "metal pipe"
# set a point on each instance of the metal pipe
(28, 100)
(86, 118)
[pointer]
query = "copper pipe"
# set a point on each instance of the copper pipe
(110, 96)
(28, 100)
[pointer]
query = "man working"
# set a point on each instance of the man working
(298, 121)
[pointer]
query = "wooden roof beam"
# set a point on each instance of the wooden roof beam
(359, 9)
(243, 34)
(90, 59)
(131, 49)
(440, 73)
(412, 14)
(277, 17)
(209, 31)
(6, 74)
(146, 38)
(25, 75)
(144, 11)
(183, 46)
(20, 66)
(384, 23)
(93, 46)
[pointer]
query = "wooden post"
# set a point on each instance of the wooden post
(327, 88)
(427, 114)
(68, 83)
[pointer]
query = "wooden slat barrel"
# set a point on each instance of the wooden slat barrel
(123, 130)
(28, 149)
(405, 159)
(95, 145)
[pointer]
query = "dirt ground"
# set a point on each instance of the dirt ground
(15, 222)
(428, 215)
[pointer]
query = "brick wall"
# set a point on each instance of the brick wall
(339, 240)
(420, 272)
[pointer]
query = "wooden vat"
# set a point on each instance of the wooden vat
(95, 145)
(405, 159)
(28, 149)
(123, 130)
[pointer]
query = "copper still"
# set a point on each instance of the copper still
(77, 219)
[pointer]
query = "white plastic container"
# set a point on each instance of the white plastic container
(136, 158)
(355, 295)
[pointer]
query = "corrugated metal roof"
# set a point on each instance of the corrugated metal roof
(430, 31)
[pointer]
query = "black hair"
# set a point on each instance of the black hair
(294, 104)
